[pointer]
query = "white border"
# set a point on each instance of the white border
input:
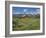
(29, 31)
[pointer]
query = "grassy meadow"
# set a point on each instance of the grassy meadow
(26, 23)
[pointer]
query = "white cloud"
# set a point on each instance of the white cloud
(25, 10)
(38, 11)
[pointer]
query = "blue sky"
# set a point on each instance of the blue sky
(25, 10)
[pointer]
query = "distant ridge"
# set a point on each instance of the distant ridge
(24, 15)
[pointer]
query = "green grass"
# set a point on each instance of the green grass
(26, 24)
